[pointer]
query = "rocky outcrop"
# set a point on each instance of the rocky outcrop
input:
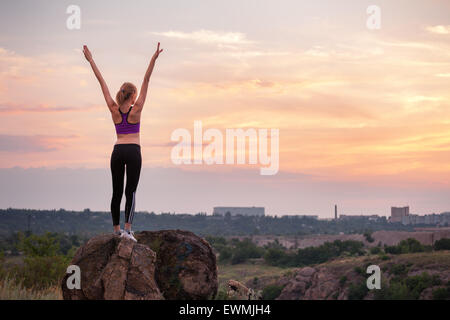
(114, 269)
(238, 291)
(297, 286)
(335, 280)
(311, 284)
(186, 265)
(167, 264)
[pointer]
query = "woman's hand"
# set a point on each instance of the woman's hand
(109, 101)
(157, 52)
(87, 53)
(139, 104)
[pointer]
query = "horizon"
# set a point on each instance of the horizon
(306, 215)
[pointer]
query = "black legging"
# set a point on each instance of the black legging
(128, 154)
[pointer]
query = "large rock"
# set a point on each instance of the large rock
(337, 279)
(168, 264)
(114, 268)
(300, 282)
(238, 291)
(185, 264)
(311, 284)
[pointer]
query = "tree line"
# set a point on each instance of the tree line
(89, 223)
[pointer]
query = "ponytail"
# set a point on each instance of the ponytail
(126, 91)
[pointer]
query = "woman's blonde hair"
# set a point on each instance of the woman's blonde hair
(126, 91)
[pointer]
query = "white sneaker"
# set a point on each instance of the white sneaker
(119, 232)
(128, 235)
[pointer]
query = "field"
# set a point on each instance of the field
(247, 272)
(41, 266)
(9, 290)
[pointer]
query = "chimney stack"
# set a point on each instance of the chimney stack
(335, 212)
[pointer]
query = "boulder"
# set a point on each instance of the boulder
(186, 265)
(167, 264)
(311, 284)
(114, 268)
(300, 282)
(238, 291)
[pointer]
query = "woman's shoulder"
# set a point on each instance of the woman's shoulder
(114, 108)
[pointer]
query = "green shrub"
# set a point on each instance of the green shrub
(392, 249)
(398, 291)
(342, 281)
(41, 272)
(2, 268)
(357, 291)
(38, 246)
(225, 254)
(441, 294)
(407, 288)
(279, 257)
(236, 251)
(368, 236)
(271, 292)
(442, 244)
(409, 245)
(43, 265)
(214, 241)
(399, 269)
(327, 251)
(221, 295)
(375, 250)
(238, 257)
(359, 270)
(244, 250)
(416, 284)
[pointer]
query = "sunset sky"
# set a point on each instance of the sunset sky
(363, 115)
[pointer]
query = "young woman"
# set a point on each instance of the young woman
(126, 155)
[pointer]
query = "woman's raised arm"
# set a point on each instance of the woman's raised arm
(109, 101)
(139, 104)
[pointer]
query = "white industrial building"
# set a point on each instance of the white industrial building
(245, 211)
(433, 219)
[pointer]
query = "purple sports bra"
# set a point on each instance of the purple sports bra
(125, 127)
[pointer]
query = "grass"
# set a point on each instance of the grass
(266, 274)
(10, 290)
(245, 272)
(423, 259)
(255, 268)
(419, 260)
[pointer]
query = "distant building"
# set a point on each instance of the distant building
(397, 214)
(432, 219)
(245, 211)
(326, 219)
(315, 217)
(405, 217)
(373, 217)
(335, 212)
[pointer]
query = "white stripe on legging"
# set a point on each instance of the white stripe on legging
(130, 218)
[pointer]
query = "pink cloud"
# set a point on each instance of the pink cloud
(34, 143)
(21, 108)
